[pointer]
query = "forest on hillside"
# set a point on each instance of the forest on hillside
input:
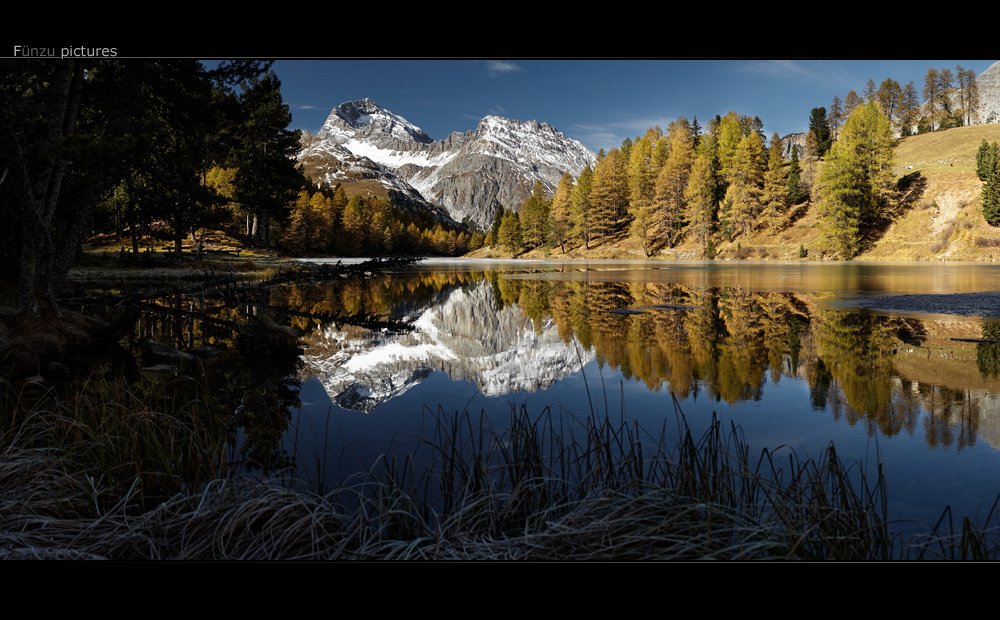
(721, 184)
(166, 150)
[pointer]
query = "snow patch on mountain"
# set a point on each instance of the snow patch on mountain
(471, 174)
(466, 336)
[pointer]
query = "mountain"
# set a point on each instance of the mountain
(988, 83)
(465, 334)
(468, 174)
(328, 163)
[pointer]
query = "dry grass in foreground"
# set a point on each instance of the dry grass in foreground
(104, 476)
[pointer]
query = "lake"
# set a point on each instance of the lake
(891, 362)
(798, 354)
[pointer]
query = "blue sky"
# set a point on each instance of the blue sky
(598, 102)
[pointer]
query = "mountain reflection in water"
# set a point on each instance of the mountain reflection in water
(790, 366)
(511, 336)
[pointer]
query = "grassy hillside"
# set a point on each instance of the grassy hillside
(940, 219)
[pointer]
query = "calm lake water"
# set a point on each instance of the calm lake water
(785, 350)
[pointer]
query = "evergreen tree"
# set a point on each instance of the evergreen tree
(820, 129)
(497, 220)
(795, 193)
(984, 160)
(988, 170)
(267, 179)
(857, 185)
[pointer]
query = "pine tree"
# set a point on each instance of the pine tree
(821, 130)
(268, 178)
(795, 193)
(497, 220)
(988, 170)
(984, 160)
(857, 185)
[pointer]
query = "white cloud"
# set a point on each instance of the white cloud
(499, 67)
(818, 71)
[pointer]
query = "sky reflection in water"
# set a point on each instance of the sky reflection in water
(773, 347)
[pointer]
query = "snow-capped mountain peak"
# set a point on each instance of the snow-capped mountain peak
(470, 175)
(365, 121)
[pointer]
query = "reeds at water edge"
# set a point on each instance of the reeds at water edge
(104, 475)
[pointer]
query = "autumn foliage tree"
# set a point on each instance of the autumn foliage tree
(609, 194)
(560, 212)
(775, 196)
(857, 186)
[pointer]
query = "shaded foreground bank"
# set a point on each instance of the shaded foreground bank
(103, 475)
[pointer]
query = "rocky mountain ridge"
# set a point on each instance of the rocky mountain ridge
(988, 83)
(469, 175)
